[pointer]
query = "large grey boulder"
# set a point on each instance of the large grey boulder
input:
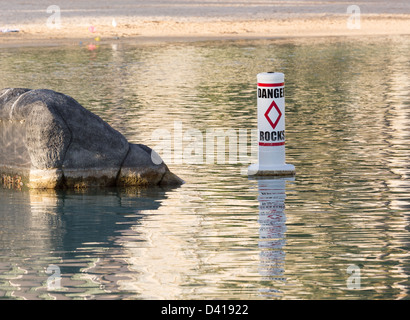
(48, 140)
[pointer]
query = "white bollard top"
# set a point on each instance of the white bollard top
(270, 77)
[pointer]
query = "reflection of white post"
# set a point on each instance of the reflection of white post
(271, 127)
(272, 220)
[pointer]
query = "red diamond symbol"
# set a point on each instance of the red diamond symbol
(273, 124)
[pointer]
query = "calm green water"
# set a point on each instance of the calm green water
(338, 230)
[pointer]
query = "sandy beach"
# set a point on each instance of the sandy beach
(165, 20)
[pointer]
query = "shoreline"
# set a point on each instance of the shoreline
(145, 32)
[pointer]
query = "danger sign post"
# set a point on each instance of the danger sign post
(271, 127)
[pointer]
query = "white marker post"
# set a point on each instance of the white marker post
(271, 127)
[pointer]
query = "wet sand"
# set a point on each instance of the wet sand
(161, 21)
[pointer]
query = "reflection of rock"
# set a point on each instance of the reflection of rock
(53, 142)
(80, 231)
(272, 220)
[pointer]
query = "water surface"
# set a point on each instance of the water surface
(223, 235)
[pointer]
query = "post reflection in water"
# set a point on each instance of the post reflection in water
(272, 220)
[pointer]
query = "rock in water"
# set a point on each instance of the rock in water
(48, 140)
